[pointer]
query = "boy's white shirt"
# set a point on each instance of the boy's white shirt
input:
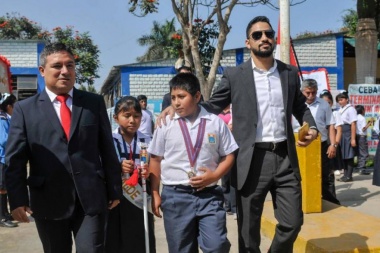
(361, 123)
(168, 142)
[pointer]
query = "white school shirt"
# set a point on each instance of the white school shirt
(348, 114)
(270, 105)
(338, 119)
(118, 139)
(168, 142)
(146, 122)
(360, 124)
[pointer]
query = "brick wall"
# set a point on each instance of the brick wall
(20, 53)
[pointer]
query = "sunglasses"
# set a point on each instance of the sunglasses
(258, 34)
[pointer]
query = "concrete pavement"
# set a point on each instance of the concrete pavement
(359, 195)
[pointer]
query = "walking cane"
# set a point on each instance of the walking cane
(143, 160)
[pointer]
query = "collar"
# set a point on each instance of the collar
(316, 101)
(53, 96)
(203, 114)
(271, 70)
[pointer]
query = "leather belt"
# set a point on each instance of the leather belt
(270, 146)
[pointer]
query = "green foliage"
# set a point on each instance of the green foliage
(160, 42)
(86, 54)
(89, 88)
(350, 21)
(145, 7)
(207, 36)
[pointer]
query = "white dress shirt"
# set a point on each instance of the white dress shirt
(270, 105)
(57, 104)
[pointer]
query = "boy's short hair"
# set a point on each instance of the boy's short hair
(126, 103)
(141, 97)
(185, 81)
(359, 109)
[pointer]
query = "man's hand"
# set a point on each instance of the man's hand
(331, 151)
(311, 135)
(161, 118)
(113, 203)
(19, 214)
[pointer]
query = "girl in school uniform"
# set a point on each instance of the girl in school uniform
(125, 229)
(348, 141)
(337, 160)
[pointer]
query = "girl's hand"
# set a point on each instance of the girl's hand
(144, 171)
(127, 166)
(201, 181)
(353, 142)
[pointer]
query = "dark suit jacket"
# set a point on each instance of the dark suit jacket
(238, 87)
(86, 166)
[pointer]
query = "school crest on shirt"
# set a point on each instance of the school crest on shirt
(211, 138)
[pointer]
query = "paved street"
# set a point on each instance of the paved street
(360, 195)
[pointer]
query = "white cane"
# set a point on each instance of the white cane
(145, 208)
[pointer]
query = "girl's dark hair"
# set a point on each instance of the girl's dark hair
(187, 82)
(10, 100)
(343, 94)
(359, 109)
(326, 93)
(126, 103)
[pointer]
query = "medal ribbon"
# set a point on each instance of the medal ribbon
(192, 151)
(131, 152)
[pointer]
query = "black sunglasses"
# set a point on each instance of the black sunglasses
(258, 34)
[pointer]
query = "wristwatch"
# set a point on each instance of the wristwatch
(335, 145)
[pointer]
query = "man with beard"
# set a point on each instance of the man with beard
(264, 93)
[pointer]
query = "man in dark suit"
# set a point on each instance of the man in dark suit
(74, 174)
(264, 94)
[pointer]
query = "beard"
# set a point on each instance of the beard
(263, 54)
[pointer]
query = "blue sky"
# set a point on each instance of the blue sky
(115, 30)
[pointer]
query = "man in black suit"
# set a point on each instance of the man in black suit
(74, 175)
(264, 94)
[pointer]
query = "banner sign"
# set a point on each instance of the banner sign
(5, 75)
(367, 95)
(319, 75)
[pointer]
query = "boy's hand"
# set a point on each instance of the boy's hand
(156, 204)
(201, 181)
(127, 166)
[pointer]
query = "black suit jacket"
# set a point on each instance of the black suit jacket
(238, 87)
(85, 167)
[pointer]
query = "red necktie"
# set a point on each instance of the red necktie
(65, 114)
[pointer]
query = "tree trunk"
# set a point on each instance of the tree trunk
(366, 51)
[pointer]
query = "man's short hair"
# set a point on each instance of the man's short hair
(53, 48)
(256, 20)
(309, 83)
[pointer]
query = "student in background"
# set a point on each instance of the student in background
(147, 123)
(337, 162)
(348, 141)
(228, 190)
(6, 105)
(361, 140)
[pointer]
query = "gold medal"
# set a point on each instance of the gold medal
(191, 174)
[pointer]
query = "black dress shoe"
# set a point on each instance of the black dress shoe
(346, 179)
(8, 224)
(8, 216)
(341, 179)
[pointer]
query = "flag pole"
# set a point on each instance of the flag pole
(295, 56)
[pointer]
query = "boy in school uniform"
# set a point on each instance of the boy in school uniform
(190, 154)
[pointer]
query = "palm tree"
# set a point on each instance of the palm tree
(159, 41)
(366, 41)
